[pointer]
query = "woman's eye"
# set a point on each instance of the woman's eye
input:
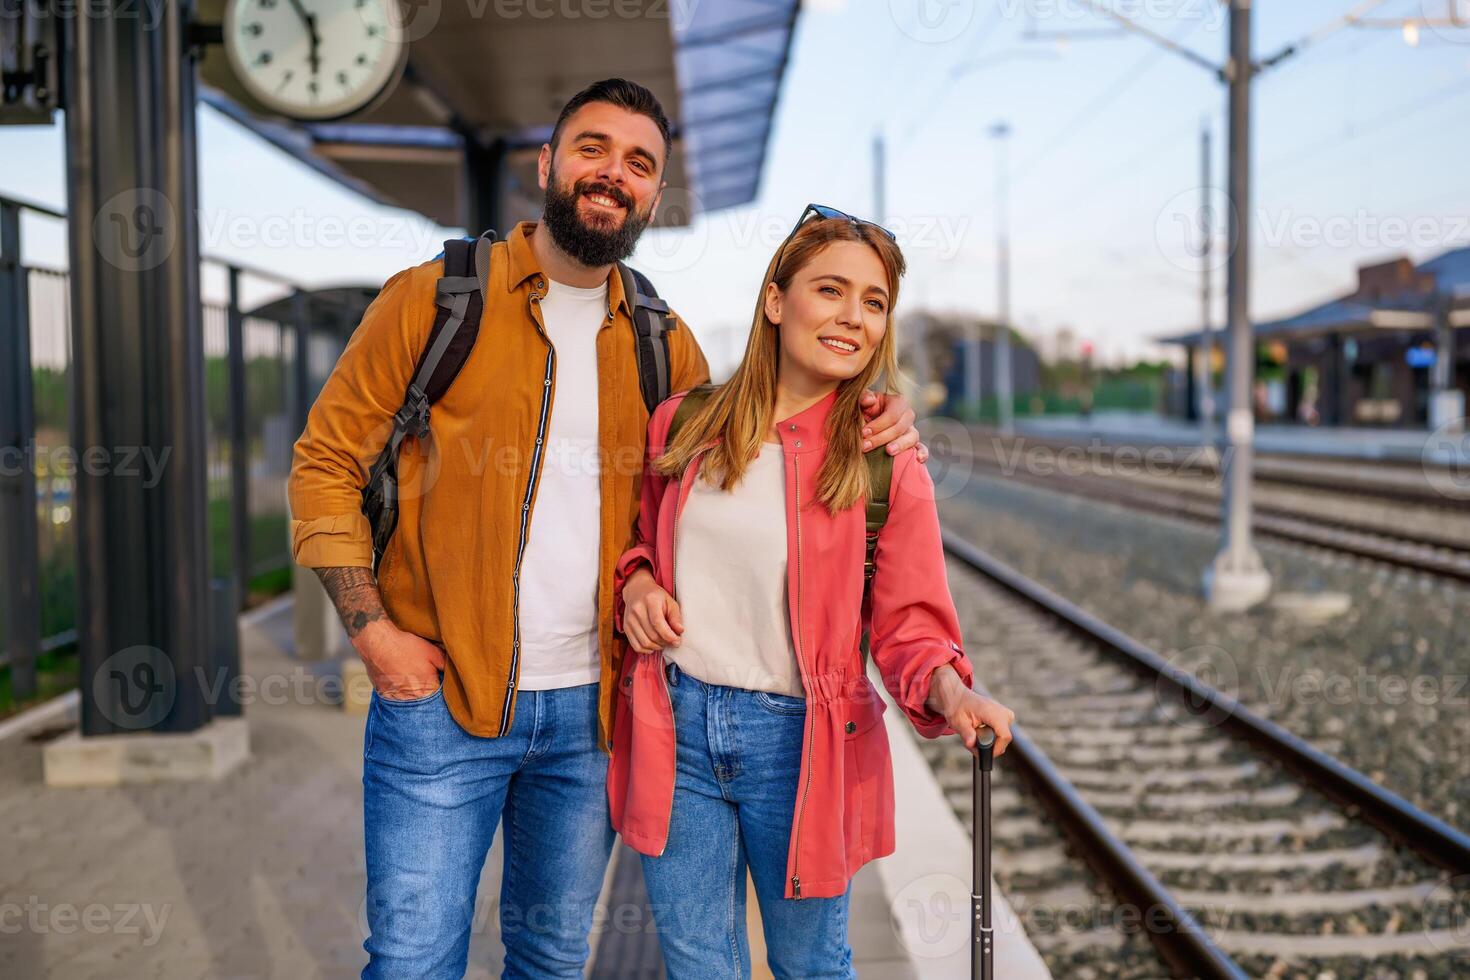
(830, 290)
(876, 305)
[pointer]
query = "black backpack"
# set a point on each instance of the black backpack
(459, 303)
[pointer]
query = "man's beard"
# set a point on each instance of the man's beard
(589, 245)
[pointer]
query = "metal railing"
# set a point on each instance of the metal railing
(257, 391)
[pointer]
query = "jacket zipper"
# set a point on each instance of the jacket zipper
(532, 478)
(806, 681)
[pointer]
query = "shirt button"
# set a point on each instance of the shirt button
(851, 727)
(793, 426)
(540, 283)
(546, 383)
(798, 444)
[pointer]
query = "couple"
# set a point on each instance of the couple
(696, 617)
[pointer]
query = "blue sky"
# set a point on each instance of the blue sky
(1361, 144)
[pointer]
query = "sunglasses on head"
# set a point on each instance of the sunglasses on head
(822, 211)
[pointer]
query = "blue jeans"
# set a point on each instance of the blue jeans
(738, 758)
(432, 797)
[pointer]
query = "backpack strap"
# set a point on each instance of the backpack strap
(652, 322)
(459, 302)
(697, 396)
(880, 478)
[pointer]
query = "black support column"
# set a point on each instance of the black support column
(138, 370)
(21, 600)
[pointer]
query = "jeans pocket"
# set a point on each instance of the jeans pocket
(410, 702)
(781, 704)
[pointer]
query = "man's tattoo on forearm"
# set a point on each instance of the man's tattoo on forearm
(354, 591)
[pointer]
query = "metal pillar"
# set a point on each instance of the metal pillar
(1191, 382)
(484, 185)
(138, 371)
(1446, 401)
(240, 559)
(20, 602)
(1207, 331)
(1236, 579)
(301, 396)
(1005, 400)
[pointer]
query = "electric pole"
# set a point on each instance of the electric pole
(1003, 395)
(1205, 371)
(1236, 579)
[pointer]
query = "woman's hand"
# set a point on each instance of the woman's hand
(968, 712)
(651, 618)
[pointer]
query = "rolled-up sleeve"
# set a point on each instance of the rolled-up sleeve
(914, 627)
(349, 423)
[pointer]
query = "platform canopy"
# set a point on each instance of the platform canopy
(1445, 277)
(457, 139)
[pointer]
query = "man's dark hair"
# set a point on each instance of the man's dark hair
(625, 95)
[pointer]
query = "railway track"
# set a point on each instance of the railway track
(1438, 554)
(1423, 482)
(1256, 853)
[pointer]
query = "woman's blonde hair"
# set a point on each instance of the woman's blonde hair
(739, 411)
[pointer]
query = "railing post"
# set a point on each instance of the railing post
(21, 594)
(301, 324)
(239, 446)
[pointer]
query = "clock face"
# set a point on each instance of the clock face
(315, 59)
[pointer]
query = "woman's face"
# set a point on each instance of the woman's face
(833, 314)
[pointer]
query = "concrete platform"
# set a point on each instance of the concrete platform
(207, 753)
(1131, 428)
(261, 874)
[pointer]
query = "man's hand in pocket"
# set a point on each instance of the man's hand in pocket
(401, 665)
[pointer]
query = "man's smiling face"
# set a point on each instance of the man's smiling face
(602, 178)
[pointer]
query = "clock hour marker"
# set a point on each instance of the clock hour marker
(264, 58)
(362, 59)
(285, 80)
(254, 30)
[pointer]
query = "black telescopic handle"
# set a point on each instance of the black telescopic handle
(982, 946)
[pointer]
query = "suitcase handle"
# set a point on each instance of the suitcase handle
(982, 945)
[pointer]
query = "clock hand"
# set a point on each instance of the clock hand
(316, 44)
(310, 20)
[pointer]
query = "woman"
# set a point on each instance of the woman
(747, 732)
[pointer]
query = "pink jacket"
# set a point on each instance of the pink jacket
(844, 808)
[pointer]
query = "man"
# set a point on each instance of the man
(499, 575)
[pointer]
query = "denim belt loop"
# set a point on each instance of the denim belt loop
(671, 671)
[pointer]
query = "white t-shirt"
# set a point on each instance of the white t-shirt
(558, 600)
(730, 581)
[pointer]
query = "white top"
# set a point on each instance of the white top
(558, 600)
(730, 582)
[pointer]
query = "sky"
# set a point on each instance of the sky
(1360, 146)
